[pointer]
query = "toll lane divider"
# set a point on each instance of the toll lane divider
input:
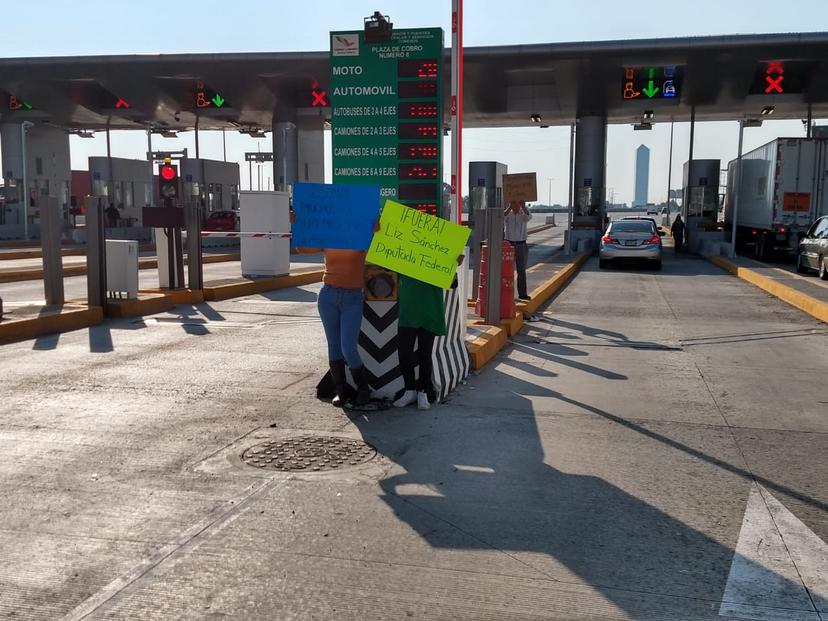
(538, 229)
(49, 321)
(804, 302)
(235, 234)
(80, 270)
(239, 288)
(37, 253)
(484, 342)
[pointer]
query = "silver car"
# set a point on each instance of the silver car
(631, 239)
(813, 249)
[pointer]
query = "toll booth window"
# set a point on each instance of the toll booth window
(703, 201)
(585, 205)
(64, 199)
(128, 191)
(100, 188)
(214, 197)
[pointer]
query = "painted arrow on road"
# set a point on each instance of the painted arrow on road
(651, 89)
(780, 566)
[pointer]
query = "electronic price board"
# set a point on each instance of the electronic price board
(652, 83)
(386, 114)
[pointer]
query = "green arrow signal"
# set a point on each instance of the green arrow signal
(218, 100)
(651, 89)
(27, 105)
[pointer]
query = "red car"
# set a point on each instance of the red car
(222, 221)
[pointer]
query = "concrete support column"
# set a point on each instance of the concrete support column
(285, 155)
(590, 165)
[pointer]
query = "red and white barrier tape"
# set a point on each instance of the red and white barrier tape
(232, 234)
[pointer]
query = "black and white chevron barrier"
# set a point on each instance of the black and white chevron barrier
(378, 346)
(451, 358)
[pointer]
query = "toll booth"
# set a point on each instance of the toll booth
(34, 157)
(588, 184)
(485, 192)
(124, 184)
(210, 183)
(700, 208)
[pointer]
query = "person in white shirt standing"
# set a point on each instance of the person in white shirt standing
(515, 219)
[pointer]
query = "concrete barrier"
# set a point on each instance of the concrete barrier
(804, 302)
(49, 321)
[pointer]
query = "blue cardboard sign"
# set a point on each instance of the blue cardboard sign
(334, 215)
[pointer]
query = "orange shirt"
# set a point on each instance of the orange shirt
(344, 268)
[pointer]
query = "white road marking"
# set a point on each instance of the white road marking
(780, 567)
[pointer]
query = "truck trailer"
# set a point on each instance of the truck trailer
(781, 192)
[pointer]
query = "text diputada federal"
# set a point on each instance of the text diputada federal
(426, 226)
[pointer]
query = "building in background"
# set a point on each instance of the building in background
(642, 175)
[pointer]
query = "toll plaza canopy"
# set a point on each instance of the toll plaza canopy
(717, 78)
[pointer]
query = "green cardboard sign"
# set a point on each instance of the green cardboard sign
(417, 244)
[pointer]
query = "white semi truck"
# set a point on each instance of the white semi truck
(781, 192)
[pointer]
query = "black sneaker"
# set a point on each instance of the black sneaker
(524, 297)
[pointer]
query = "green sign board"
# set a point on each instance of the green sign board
(386, 115)
(418, 244)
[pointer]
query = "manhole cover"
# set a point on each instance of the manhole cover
(308, 454)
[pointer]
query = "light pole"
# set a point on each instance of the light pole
(549, 204)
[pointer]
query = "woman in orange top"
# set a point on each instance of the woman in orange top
(340, 308)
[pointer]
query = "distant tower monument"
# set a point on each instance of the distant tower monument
(642, 175)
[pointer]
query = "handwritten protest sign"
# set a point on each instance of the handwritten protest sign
(334, 215)
(417, 244)
(520, 187)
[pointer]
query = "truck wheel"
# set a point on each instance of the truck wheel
(823, 268)
(800, 267)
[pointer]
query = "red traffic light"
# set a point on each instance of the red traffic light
(168, 173)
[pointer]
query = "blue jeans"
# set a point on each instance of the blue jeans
(341, 314)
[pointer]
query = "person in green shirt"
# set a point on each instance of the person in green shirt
(422, 318)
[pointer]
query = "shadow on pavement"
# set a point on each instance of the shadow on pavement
(484, 474)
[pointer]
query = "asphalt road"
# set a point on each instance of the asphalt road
(653, 447)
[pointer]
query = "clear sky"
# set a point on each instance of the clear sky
(84, 27)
